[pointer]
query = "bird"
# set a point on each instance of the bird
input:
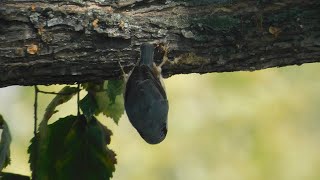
(145, 98)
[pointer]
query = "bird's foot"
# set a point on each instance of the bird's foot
(125, 76)
(165, 59)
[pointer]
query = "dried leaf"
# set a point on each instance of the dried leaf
(33, 7)
(32, 48)
(95, 23)
(275, 31)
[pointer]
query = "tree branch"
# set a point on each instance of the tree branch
(75, 41)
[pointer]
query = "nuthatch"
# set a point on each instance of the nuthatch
(145, 99)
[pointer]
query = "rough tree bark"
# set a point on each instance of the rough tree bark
(68, 41)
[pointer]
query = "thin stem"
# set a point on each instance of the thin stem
(53, 93)
(78, 100)
(124, 75)
(36, 91)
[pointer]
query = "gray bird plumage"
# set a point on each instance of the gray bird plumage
(145, 99)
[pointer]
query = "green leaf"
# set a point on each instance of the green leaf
(11, 176)
(4, 144)
(77, 149)
(88, 105)
(93, 86)
(113, 110)
(44, 151)
(41, 142)
(108, 99)
(114, 88)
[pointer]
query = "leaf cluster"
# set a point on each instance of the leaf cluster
(75, 149)
(76, 146)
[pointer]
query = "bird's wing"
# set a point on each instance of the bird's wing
(140, 74)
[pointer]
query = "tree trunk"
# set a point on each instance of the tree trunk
(68, 41)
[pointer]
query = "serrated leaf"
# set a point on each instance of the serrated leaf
(11, 176)
(108, 98)
(45, 150)
(4, 144)
(41, 141)
(112, 110)
(76, 150)
(107, 134)
(115, 110)
(88, 105)
(114, 88)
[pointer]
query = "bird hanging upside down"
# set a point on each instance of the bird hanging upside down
(145, 99)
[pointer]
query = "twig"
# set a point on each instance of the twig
(53, 93)
(36, 91)
(78, 100)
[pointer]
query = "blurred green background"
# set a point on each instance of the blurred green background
(259, 125)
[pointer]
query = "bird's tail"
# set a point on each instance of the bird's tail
(146, 51)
